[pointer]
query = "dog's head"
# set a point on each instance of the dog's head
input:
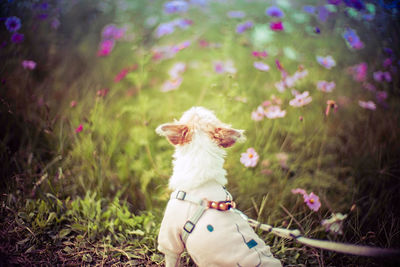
(200, 121)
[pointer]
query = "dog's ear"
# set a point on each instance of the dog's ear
(177, 134)
(227, 137)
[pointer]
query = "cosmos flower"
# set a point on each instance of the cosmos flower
(359, 71)
(335, 223)
(171, 84)
(258, 114)
(177, 69)
(224, 67)
(325, 86)
(301, 99)
(79, 128)
(381, 96)
(382, 76)
(102, 92)
(236, 14)
(106, 46)
(13, 24)
(276, 26)
(312, 201)
(175, 7)
(259, 54)
(334, 2)
(299, 191)
(367, 104)
(165, 29)
(330, 104)
(309, 9)
(274, 11)
(328, 62)
(274, 112)
(282, 158)
(352, 39)
(249, 158)
(29, 64)
(242, 27)
(121, 75)
(17, 38)
(261, 66)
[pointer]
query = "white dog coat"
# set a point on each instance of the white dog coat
(219, 238)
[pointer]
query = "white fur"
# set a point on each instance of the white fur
(198, 170)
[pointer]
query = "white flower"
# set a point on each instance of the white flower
(335, 223)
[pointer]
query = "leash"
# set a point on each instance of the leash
(295, 234)
(324, 244)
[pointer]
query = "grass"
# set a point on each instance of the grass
(96, 197)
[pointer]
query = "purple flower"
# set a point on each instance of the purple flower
(352, 39)
(183, 23)
(309, 9)
(334, 2)
(17, 38)
(261, 66)
(165, 29)
(13, 24)
(323, 13)
(249, 158)
(29, 64)
(175, 7)
(236, 14)
(274, 11)
(328, 61)
(241, 28)
(381, 76)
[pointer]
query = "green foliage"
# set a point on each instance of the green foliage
(97, 195)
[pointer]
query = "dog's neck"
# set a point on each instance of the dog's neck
(198, 163)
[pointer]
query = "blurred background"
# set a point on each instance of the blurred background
(84, 84)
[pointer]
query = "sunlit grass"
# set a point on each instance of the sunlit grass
(117, 163)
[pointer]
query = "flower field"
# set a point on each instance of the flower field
(84, 84)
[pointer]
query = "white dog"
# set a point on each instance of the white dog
(200, 215)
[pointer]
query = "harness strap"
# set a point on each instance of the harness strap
(203, 204)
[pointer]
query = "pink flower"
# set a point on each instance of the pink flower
(73, 104)
(274, 112)
(325, 86)
(276, 26)
(299, 191)
(103, 92)
(261, 66)
(359, 71)
(259, 54)
(29, 64)
(258, 114)
(106, 46)
(79, 129)
(177, 69)
(312, 201)
(367, 104)
(250, 158)
(301, 100)
(171, 84)
(224, 67)
(328, 62)
(121, 75)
